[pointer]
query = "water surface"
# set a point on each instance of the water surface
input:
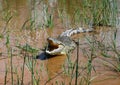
(26, 22)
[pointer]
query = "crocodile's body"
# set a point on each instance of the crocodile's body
(63, 44)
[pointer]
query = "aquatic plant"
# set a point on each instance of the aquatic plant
(6, 72)
(115, 56)
(28, 49)
(91, 13)
(31, 66)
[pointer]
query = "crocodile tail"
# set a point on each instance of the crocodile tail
(71, 32)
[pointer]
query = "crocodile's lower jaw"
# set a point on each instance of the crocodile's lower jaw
(57, 51)
(60, 53)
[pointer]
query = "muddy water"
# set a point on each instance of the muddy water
(19, 30)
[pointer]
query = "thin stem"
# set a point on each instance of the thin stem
(5, 79)
(76, 79)
(23, 70)
(11, 68)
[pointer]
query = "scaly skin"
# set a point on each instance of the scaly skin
(63, 44)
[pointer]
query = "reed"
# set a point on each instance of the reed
(11, 64)
(6, 72)
(31, 63)
(18, 81)
(48, 18)
(89, 12)
(23, 67)
(90, 56)
(113, 48)
(77, 64)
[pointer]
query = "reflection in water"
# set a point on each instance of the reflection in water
(54, 63)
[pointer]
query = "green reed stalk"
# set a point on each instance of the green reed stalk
(11, 58)
(72, 73)
(48, 19)
(31, 64)
(89, 69)
(23, 67)
(18, 80)
(6, 71)
(32, 72)
(91, 54)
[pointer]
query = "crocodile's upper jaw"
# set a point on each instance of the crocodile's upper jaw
(55, 47)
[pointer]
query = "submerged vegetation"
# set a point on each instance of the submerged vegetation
(22, 36)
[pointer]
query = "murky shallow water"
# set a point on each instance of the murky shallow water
(20, 31)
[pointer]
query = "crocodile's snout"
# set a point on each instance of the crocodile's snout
(54, 47)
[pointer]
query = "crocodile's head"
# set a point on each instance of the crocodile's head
(60, 46)
(55, 47)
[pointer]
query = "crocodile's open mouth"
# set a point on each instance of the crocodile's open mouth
(54, 47)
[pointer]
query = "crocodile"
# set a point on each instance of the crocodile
(63, 44)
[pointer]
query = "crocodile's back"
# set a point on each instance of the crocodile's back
(71, 32)
(66, 40)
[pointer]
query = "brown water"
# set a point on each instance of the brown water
(21, 31)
